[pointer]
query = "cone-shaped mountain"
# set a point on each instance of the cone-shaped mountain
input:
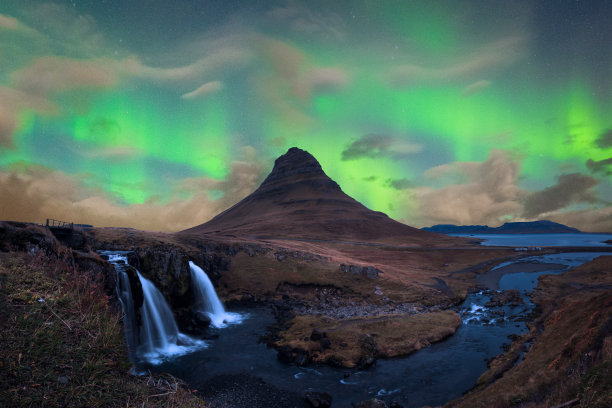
(298, 200)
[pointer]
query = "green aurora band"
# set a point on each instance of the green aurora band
(413, 75)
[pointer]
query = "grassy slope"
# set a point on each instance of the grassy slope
(61, 344)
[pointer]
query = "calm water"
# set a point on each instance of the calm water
(431, 376)
(542, 240)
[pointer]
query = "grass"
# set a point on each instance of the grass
(350, 341)
(61, 342)
(570, 360)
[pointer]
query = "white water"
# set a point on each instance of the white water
(207, 300)
(124, 293)
(159, 329)
(158, 337)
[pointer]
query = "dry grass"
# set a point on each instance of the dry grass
(61, 344)
(350, 341)
(571, 359)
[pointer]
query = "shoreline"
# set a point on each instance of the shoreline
(490, 279)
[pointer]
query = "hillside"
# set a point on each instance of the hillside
(299, 201)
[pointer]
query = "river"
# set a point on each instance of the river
(431, 376)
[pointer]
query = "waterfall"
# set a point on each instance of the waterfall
(157, 337)
(159, 329)
(124, 293)
(207, 300)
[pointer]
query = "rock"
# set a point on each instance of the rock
(372, 403)
(317, 335)
(318, 399)
(301, 358)
(371, 273)
(201, 319)
(368, 349)
(395, 404)
(367, 271)
(285, 355)
(168, 268)
(63, 380)
(325, 343)
(21, 236)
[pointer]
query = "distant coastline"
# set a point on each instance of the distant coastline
(532, 227)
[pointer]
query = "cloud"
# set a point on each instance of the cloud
(215, 61)
(63, 30)
(52, 74)
(38, 193)
(489, 194)
(34, 84)
(400, 184)
(570, 188)
(376, 145)
(11, 103)
(604, 141)
(592, 220)
(308, 20)
(493, 56)
(294, 72)
(8, 124)
(204, 90)
(476, 87)
(319, 80)
(601, 166)
(8, 23)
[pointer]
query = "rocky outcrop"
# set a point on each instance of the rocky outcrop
(168, 269)
(27, 237)
(369, 272)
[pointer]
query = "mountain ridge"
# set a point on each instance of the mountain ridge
(527, 227)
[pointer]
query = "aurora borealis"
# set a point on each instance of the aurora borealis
(158, 115)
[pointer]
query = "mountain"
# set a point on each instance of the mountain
(299, 201)
(532, 227)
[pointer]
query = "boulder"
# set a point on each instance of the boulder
(202, 319)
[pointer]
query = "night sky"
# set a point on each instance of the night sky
(160, 114)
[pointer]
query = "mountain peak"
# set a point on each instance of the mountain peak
(297, 168)
(299, 201)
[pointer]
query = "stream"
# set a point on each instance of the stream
(431, 376)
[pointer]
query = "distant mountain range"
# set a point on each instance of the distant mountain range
(533, 227)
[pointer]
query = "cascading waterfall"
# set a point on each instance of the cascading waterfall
(159, 329)
(158, 336)
(207, 300)
(124, 293)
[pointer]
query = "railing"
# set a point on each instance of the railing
(51, 223)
